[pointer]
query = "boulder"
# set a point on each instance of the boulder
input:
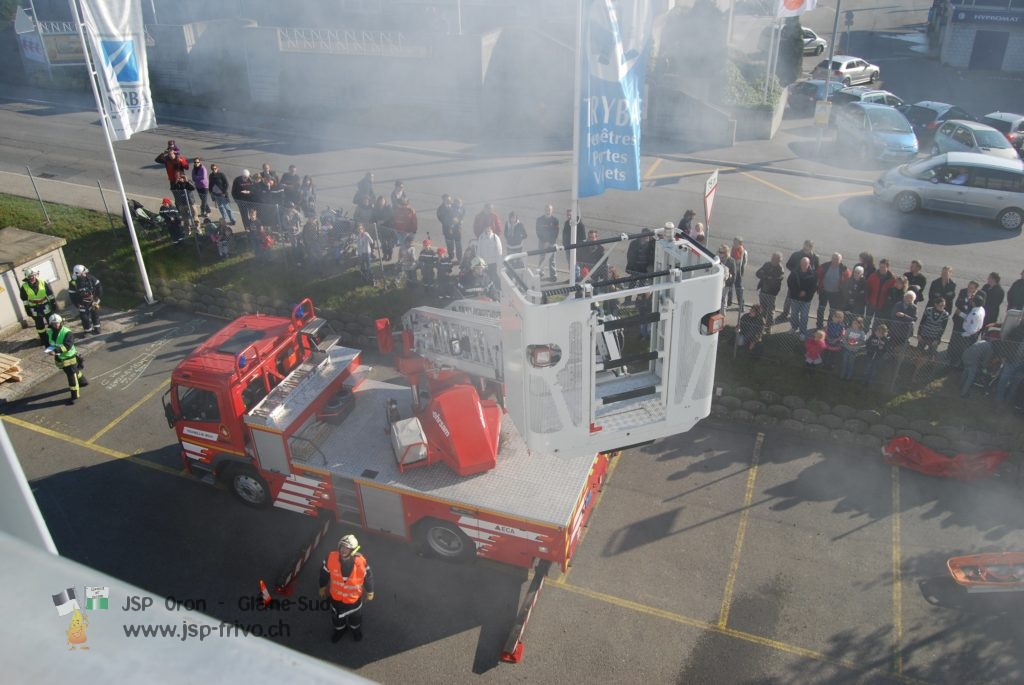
(830, 421)
(744, 393)
(843, 411)
(882, 431)
(869, 416)
(754, 406)
(793, 402)
(805, 415)
(780, 411)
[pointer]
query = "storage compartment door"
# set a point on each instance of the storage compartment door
(383, 510)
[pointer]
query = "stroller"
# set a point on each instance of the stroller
(150, 223)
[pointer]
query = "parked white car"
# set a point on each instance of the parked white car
(847, 70)
(813, 43)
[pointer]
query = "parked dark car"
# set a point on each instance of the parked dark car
(803, 94)
(926, 117)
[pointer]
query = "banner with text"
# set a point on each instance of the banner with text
(616, 39)
(113, 29)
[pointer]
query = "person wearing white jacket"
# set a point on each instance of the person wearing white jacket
(488, 248)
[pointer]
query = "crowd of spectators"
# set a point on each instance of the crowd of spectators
(874, 312)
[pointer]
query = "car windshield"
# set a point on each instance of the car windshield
(993, 139)
(924, 169)
(920, 115)
(888, 120)
(805, 88)
(997, 124)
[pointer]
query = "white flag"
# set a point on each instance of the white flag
(794, 8)
(113, 29)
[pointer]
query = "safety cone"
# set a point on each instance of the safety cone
(264, 593)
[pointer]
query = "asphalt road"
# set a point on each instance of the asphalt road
(720, 556)
(773, 193)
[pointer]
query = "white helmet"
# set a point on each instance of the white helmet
(478, 261)
(348, 542)
(31, 271)
(56, 320)
(79, 270)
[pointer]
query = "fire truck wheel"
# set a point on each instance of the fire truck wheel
(249, 486)
(445, 540)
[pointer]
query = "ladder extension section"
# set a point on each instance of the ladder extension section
(460, 340)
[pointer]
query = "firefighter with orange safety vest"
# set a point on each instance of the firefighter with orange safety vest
(347, 577)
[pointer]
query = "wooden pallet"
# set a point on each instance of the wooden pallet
(10, 368)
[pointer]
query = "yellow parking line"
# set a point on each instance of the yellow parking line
(773, 186)
(805, 198)
(833, 196)
(106, 451)
(655, 165)
(897, 580)
(128, 411)
(741, 532)
(729, 632)
(684, 174)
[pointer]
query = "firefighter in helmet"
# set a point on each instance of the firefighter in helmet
(61, 344)
(347, 577)
(39, 301)
(85, 291)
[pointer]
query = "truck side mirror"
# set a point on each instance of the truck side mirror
(169, 411)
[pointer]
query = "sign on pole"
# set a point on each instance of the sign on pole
(710, 187)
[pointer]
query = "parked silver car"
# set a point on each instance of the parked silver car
(847, 70)
(966, 183)
(956, 135)
(874, 131)
(813, 43)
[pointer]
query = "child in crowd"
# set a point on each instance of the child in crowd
(814, 348)
(853, 345)
(876, 347)
(835, 330)
(407, 260)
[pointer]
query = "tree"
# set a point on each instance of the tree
(791, 51)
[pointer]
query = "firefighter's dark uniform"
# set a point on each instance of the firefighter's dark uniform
(85, 292)
(348, 581)
(39, 304)
(65, 355)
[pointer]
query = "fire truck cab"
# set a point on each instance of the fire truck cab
(219, 383)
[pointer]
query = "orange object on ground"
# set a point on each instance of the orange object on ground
(909, 453)
(991, 572)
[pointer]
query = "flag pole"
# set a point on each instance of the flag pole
(77, 14)
(577, 95)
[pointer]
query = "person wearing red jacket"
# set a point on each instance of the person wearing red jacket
(487, 217)
(830, 279)
(174, 162)
(879, 283)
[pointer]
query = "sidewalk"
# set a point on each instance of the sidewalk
(37, 367)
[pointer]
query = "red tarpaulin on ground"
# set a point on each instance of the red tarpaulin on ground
(909, 453)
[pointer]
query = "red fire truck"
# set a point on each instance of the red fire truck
(499, 441)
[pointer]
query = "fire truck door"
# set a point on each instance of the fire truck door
(383, 510)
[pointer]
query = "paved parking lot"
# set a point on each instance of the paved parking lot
(720, 556)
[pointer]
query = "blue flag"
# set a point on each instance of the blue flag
(616, 40)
